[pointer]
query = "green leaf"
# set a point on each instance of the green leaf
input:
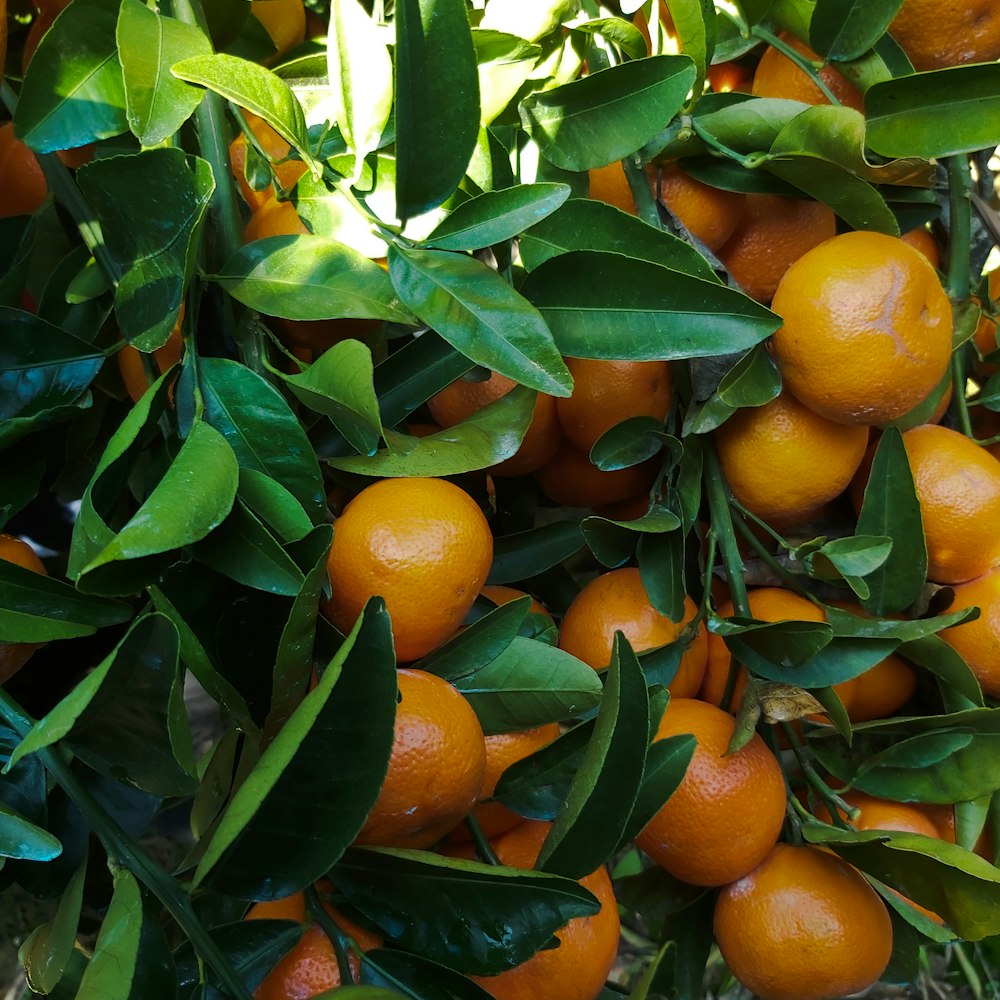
(73, 91)
(17, 241)
(845, 31)
(603, 793)
(111, 971)
(504, 62)
(328, 212)
(582, 224)
(489, 436)
(174, 515)
(625, 35)
(934, 654)
(957, 885)
(506, 914)
(330, 804)
(753, 381)
(890, 509)
(274, 504)
(496, 216)
(941, 113)
(20, 838)
(524, 554)
(628, 443)
(612, 542)
(528, 684)
(256, 421)
(156, 103)
(695, 28)
(530, 19)
(339, 384)
(360, 74)
(607, 115)
(601, 305)
(45, 952)
(254, 88)
(436, 102)
(481, 315)
(308, 278)
(414, 976)
(666, 764)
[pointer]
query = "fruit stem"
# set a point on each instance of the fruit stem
(767, 557)
(959, 276)
(334, 933)
(835, 804)
(122, 850)
(722, 524)
(483, 847)
(750, 162)
(806, 65)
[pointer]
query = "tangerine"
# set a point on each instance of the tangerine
(779, 76)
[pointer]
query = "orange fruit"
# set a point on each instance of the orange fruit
(284, 21)
(940, 33)
(287, 171)
(881, 690)
(607, 392)
(958, 485)
(725, 77)
(572, 480)
(803, 925)
(767, 604)
(772, 234)
(436, 768)
(985, 337)
(709, 213)
(21, 178)
(14, 655)
(783, 461)
(610, 185)
(866, 331)
(273, 218)
(132, 369)
(978, 641)
(943, 818)
(778, 76)
(922, 240)
(884, 814)
(463, 397)
(587, 947)
(618, 602)
(421, 544)
(310, 967)
(502, 750)
(727, 812)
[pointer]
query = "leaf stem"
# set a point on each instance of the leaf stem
(483, 847)
(122, 850)
(804, 64)
(959, 276)
(334, 933)
(835, 804)
(722, 524)
(750, 162)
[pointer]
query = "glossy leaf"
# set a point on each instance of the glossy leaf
(530, 19)
(156, 103)
(524, 554)
(112, 968)
(621, 33)
(694, 24)
(328, 212)
(20, 838)
(941, 113)
(601, 305)
(528, 684)
(504, 62)
(612, 542)
(586, 831)
(360, 682)
(497, 215)
(666, 764)
(582, 224)
(310, 278)
(46, 951)
(844, 31)
(753, 381)
(607, 115)
(73, 91)
(481, 315)
(629, 443)
(414, 976)
(506, 914)
(436, 102)
(934, 654)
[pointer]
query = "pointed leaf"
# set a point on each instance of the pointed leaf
(414, 976)
(20, 838)
(845, 31)
(46, 951)
(524, 554)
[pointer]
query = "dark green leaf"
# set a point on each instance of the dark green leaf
(45, 952)
(607, 115)
(612, 542)
(629, 443)
(20, 838)
(506, 914)
(753, 381)
(436, 102)
(934, 654)
(17, 240)
(416, 976)
(843, 30)
(601, 305)
(481, 315)
(330, 804)
(666, 764)
(661, 568)
(524, 554)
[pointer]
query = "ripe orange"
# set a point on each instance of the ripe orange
(436, 768)
(803, 925)
(778, 76)
(421, 544)
(284, 21)
(940, 33)
(709, 213)
(725, 77)
(502, 750)
(867, 328)
(727, 812)
(287, 171)
(985, 337)
(978, 642)
(617, 602)
(21, 178)
(455, 402)
(767, 604)
(922, 240)
(610, 185)
(310, 968)
(608, 392)
(884, 814)
(958, 486)
(273, 218)
(783, 461)
(572, 480)
(14, 655)
(579, 966)
(943, 818)
(772, 234)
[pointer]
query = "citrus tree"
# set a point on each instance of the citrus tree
(513, 497)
